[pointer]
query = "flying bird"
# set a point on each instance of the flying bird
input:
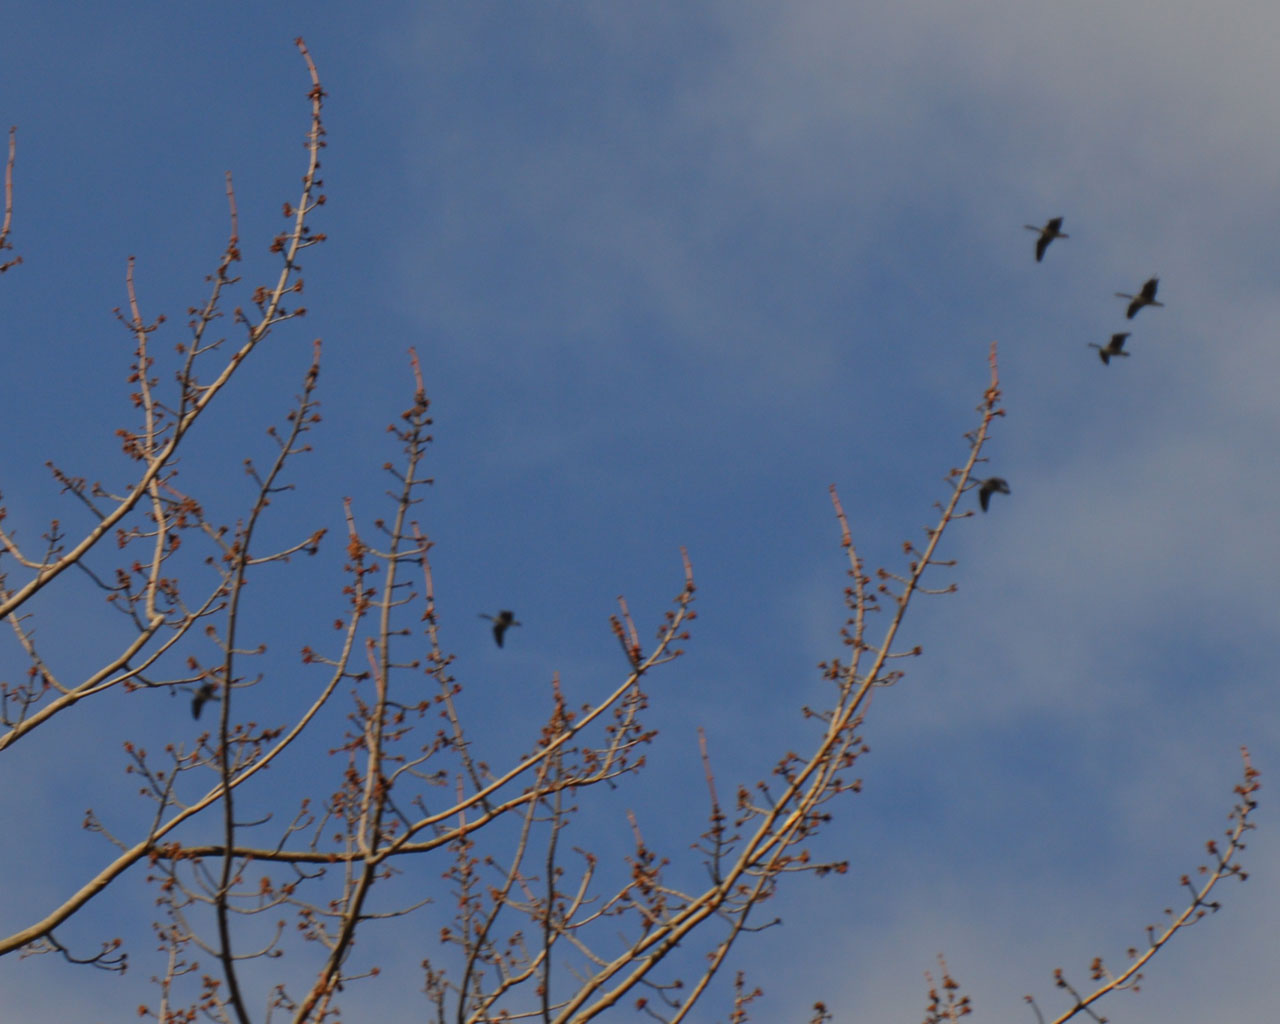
(206, 693)
(501, 622)
(1146, 297)
(991, 485)
(1048, 233)
(1115, 347)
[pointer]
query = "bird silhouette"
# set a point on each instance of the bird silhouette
(1115, 347)
(501, 622)
(206, 693)
(1051, 230)
(1146, 297)
(990, 486)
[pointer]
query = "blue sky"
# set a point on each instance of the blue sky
(672, 269)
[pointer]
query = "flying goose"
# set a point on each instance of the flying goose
(501, 622)
(206, 693)
(990, 486)
(1115, 347)
(1146, 297)
(1048, 233)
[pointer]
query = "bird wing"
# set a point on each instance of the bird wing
(1042, 243)
(200, 699)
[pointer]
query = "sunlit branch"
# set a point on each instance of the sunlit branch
(1225, 866)
(791, 816)
(7, 223)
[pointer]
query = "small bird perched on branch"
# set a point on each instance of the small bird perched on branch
(501, 622)
(991, 485)
(1115, 347)
(1146, 297)
(1052, 230)
(206, 693)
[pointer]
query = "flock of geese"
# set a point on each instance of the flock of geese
(1146, 296)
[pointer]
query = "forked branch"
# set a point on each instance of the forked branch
(158, 455)
(782, 822)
